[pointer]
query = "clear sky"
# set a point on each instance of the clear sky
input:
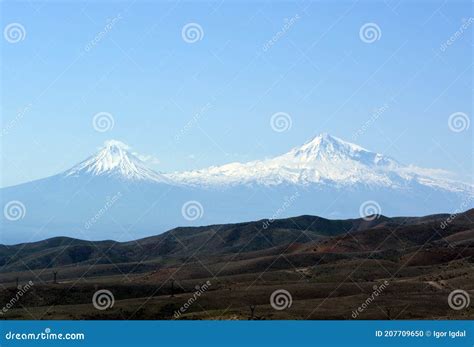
(194, 104)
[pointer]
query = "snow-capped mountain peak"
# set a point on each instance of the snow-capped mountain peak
(325, 176)
(114, 159)
(324, 160)
(327, 148)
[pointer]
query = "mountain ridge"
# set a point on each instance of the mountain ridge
(114, 195)
(232, 238)
(324, 159)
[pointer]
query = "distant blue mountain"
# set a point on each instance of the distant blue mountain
(113, 195)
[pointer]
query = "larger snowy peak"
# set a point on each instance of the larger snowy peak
(324, 160)
(327, 148)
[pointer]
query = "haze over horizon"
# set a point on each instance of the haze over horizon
(149, 161)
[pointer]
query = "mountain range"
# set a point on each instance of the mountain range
(114, 195)
(308, 235)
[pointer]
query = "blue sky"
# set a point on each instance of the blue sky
(192, 105)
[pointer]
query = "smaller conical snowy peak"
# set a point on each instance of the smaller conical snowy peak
(114, 159)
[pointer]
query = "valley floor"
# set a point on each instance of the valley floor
(324, 292)
(399, 268)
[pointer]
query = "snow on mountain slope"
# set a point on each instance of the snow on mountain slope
(325, 160)
(115, 160)
(114, 195)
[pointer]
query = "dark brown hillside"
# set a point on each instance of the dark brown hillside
(329, 268)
